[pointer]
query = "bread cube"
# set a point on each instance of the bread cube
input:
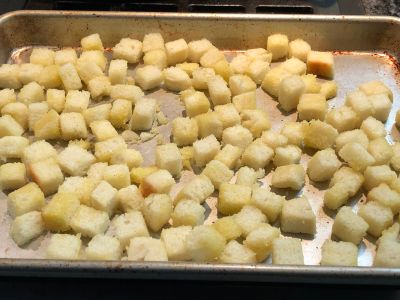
(339, 254)
(329, 89)
(38, 151)
(89, 221)
(96, 171)
(337, 195)
(146, 249)
(7, 96)
(144, 114)
(395, 161)
(88, 69)
(73, 126)
(228, 227)
(229, 155)
(378, 217)
(257, 155)
(59, 210)
(157, 209)
(120, 113)
(359, 102)
(217, 172)
(117, 175)
(64, 246)
(287, 251)
(232, 198)
(176, 79)
(256, 70)
(373, 128)
(130, 157)
(177, 51)
(99, 87)
(356, 156)
(259, 54)
(381, 150)
(260, 240)
(152, 41)
(240, 84)
(287, 155)
(103, 130)
(104, 150)
(69, 77)
(294, 65)
(97, 113)
(188, 212)
(272, 80)
(290, 90)
(201, 77)
(128, 226)
(249, 218)
(42, 56)
(273, 139)
(47, 174)
(81, 187)
(240, 63)
(289, 176)
(10, 127)
(211, 57)
(29, 72)
(55, 99)
(198, 189)
(256, 120)
(358, 136)
(209, 124)
(129, 198)
(64, 56)
(12, 146)
(117, 71)
(18, 111)
(311, 83)
(278, 45)
(235, 252)
(129, 50)
(25, 199)
(188, 68)
(148, 77)
(237, 136)
(298, 217)
(196, 103)
(157, 58)
(76, 101)
(35, 112)
(382, 105)
(323, 165)
(312, 106)
(245, 101)
(103, 247)
(343, 118)
(223, 69)
(197, 49)
(174, 239)
(268, 202)
(385, 196)
(12, 176)
(219, 91)
(159, 182)
(9, 76)
(320, 135)
(320, 63)
(169, 158)
(26, 227)
(205, 243)
(30, 93)
(247, 176)
(92, 42)
(47, 126)
(352, 178)
(184, 131)
(348, 226)
(49, 77)
(299, 48)
(75, 161)
(388, 248)
(375, 87)
(205, 150)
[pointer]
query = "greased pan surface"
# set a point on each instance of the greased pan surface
(366, 48)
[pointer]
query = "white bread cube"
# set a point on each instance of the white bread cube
(104, 150)
(26, 227)
(29, 72)
(89, 221)
(237, 136)
(103, 247)
(387, 254)
(81, 187)
(299, 48)
(245, 101)
(76, 101)
(25, 199)
(88, 69)
(247, 176)
(47, 174)
(375, 87)
(240, 84)
(329, 89)
(69, 77)
(339, 254)
(117, 175)
(168, 157)
(188, 212)
(385, 196)
(323, 165)
(99, 87)
(146, 249)
(289, 176)
(7, 96)
(75, 161)
(356, 136)
(232, 198)
(311, 83)
(198, 189)
(120, 113)
(152, 41)
(197, 49)
(55, 99)
(209, 124)
(128, 226)
(255, 120)
(377, 216)
(64, 246)
(223, 69)
(201, 77)
(42, 56)
(298, 217)
(257, 155)
(184, 131)
(12, 146)
(268, 202)
(348, 226)
(294, 65)
(157, 210)
(148, 77)
(320, 135)
(312, 106)
(130, 157)
(273, 79)
(175, 79)
(38, 151)
(356, 156)
(49, 77)
(229, 155)
(35, 112)
(218, 173)
(240, 63)
(97, 113)
(9, 76)
(287, 155)
(174, 239)
(375, 175)
(290, 90)
(159, 182)
(103, 130)
(235, 252)
(205, 150)
(30, 93)
(92, 42)
(395, 161)
(359, 102)
(320, 63)
(381, 150)
(64, 56)
(18, 111)
(249, 218)
(256, 70)
(219, 91)
(143, 114)
(177, 51)
(342, 118)
(205, 243)
(129, 50)
(278, 45)
(129, 198)
(10, 127)
(259, 54)
(382, 106)
(287, 251)
(195, 102)
(156, 57)
(260, 240)
(12, 176)
(273, 139)
(373, 128)
(73, 126)
(211, 57)
(228, 227)
(188, 68)
(117, 71)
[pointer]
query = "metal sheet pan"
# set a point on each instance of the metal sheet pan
(366, 48)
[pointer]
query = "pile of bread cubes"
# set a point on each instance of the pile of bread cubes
(66, 122)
